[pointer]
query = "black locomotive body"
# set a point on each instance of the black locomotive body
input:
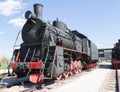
(51, 50)
(116, 55)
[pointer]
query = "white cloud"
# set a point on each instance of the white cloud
(19, 22)
(9, 7)
(1, 33)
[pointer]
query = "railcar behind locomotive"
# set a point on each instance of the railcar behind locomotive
(116, 55)
(51, 50)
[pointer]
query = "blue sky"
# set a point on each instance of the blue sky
(97, 19)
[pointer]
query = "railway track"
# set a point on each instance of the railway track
(10, 82)
(38, 86)
(109, 83)
(112, 82)
(118, 80)
(29, 87)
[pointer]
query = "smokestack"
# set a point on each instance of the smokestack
(38, 10)
(119, 41)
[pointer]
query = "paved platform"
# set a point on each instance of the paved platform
(5, 71)
(90, 82)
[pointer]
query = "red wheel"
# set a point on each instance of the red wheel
(75, 71)
(71, 72)
(58, 77)
(66, 74)
(79, 70)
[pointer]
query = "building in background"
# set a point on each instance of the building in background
(105, 54)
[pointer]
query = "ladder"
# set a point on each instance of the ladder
(33, 54)
(27, 55)
(48, 62)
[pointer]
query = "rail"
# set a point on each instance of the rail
(118, 80)
(12, 82)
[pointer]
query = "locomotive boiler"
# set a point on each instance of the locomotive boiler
(51, 50)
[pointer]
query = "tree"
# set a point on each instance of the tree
(4, 59)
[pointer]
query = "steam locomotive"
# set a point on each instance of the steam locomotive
(51, 51)
(116, 55)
